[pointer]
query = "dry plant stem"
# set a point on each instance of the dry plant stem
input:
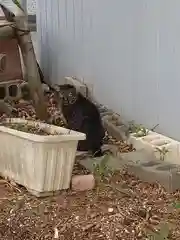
(11, 185)
(121, 190)
(24, 39)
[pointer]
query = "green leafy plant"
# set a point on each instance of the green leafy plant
(153, 129)
(176, 205)
(102, 173)
(101, 170)
(162, 152)
(162, 234)
(142, 132)
(138, 129)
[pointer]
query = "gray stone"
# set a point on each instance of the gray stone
(113, 163)
(105, 113)
(5, 108)
(143, 165)
(118, 163)
(170, 180)
(83, 182)
(103, 110)
(147, 168)
(168, 167)
(141, 156)
(118, 131)
(45, 88)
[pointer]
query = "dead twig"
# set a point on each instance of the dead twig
(11, 184)
(89, 226)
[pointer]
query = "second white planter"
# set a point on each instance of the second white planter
(43, 164)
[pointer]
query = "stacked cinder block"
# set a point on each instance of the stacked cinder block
(10, 68)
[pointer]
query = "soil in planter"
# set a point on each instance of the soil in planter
(29, 129)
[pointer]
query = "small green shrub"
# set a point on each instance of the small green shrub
(162, 152)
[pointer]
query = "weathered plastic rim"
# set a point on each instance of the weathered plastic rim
(66, 134)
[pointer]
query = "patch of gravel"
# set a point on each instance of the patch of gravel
(127, 211)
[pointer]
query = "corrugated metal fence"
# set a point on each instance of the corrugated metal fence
(129, 50)
(30, 4)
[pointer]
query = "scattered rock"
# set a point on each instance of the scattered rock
(25, 91)
(110, 210)
(5, 108)
(83, 182)
(45, 88)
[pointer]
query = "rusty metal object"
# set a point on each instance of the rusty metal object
(10, 63)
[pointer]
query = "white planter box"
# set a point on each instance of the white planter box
(43, 164)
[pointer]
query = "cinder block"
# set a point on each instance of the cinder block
(147, 168)
(116, 127)
(11, 90)
(104, 111)
(85, 89)
(166, 175)
(14, 91)
(154, 141)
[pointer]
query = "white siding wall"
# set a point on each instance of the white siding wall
(129, 50)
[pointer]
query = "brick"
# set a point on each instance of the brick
(83, 182)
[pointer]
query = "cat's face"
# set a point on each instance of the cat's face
(68, 94)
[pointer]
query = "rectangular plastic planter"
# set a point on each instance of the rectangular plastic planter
(43, 164)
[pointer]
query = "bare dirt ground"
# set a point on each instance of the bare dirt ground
(128, 211)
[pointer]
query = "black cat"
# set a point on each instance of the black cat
(83, 116)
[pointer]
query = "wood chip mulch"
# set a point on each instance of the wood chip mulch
(130, 210)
